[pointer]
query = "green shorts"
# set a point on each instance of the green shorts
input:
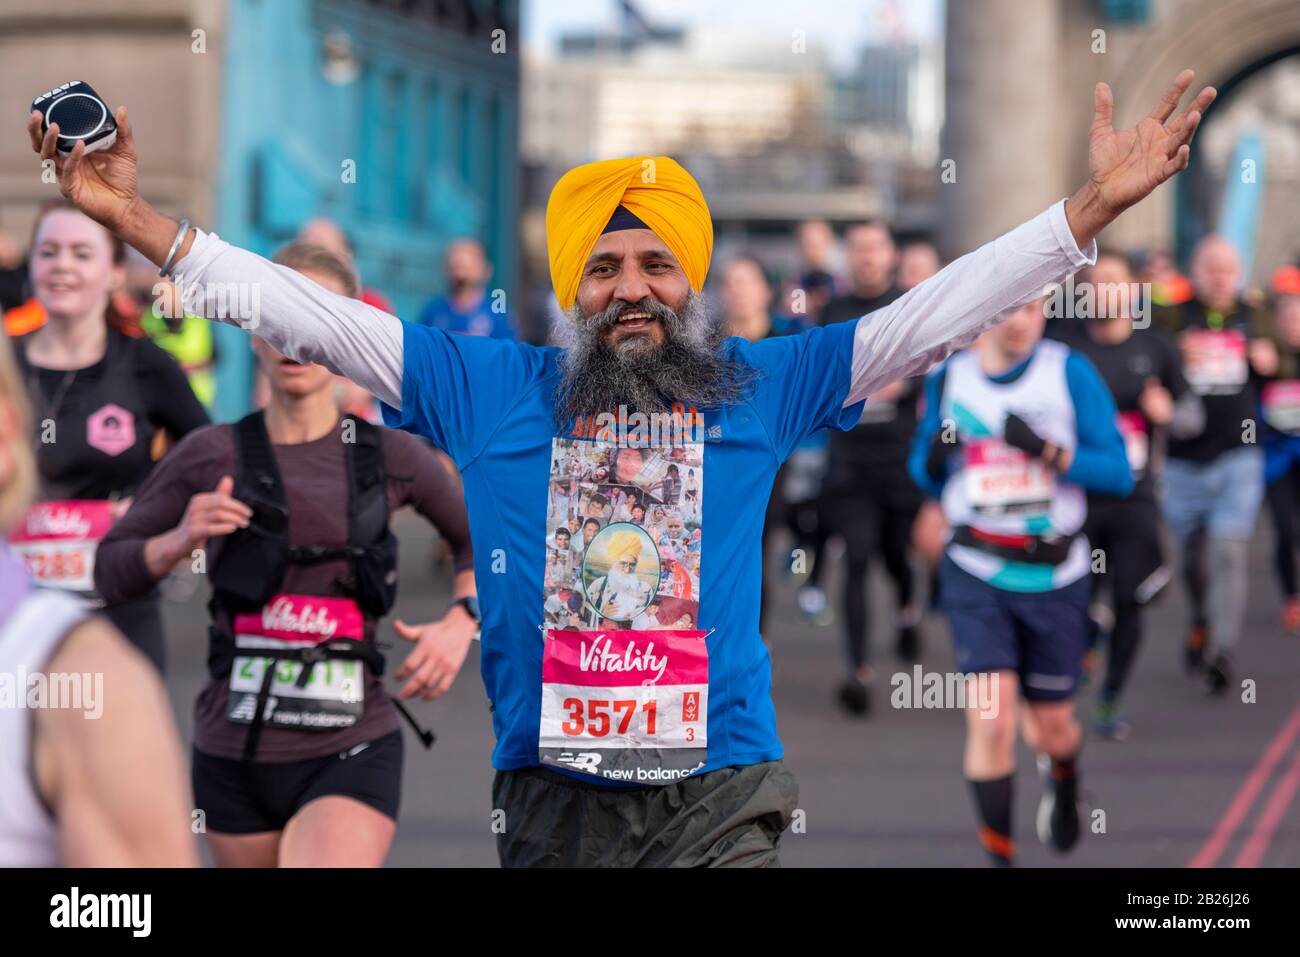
(732, 817)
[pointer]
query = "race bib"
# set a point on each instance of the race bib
(1137, 441)
(1001, 480)
(625, 672)
(1281, 402)
(334, 694)
(625, 705)
(1220, 364)
(57, 541)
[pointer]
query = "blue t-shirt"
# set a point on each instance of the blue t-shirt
(439, 313)
(489, 404)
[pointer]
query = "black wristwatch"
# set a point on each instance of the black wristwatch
(470, 604)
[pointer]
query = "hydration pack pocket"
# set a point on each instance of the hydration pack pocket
(376, 576)
(253, 562)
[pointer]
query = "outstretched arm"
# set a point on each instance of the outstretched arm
(952, 308)
(222, 282)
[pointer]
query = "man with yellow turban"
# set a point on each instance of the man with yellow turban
(624, 747)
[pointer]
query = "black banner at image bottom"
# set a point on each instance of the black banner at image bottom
(184, 907)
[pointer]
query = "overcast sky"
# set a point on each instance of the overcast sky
(841, 26)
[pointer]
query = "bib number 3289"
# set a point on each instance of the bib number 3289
(625, 705)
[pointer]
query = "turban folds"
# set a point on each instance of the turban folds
(657, 190)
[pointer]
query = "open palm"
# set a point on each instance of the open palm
(102, 184)
(1126, 165)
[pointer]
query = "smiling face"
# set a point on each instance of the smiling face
(72, 269)
(641, 337)
(628, 274)
(296, 379)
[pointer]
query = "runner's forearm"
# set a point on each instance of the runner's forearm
(162, 552)
(151, 232)
(298, 317)
(127, 569)
(463, 586)
(952, 308)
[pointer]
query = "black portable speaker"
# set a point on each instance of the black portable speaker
(81, 115)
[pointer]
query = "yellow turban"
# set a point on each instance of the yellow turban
(657, 190)
(623, 544)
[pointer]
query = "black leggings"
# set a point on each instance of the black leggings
(868, 528)
(1127, 531)
(1283, 498)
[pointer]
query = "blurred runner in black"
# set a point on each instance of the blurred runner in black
(1144, 375)
(867, 497)
(1214, 482)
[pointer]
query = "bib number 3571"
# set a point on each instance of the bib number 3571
(625, 705)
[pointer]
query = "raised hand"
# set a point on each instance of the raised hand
(1124, 166)
(102, 184)
(215, 513)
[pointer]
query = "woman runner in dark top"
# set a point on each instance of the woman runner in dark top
(316, 790)
(100, 401)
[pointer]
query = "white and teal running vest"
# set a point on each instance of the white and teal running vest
(1001, 490)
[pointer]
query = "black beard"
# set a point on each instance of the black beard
(688, 368)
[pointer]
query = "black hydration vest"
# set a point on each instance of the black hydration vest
(254, 560)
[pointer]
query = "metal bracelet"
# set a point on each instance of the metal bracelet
(166, 270)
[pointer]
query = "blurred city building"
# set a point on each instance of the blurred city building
(773, 132)
(1030, 68)
(396, 118)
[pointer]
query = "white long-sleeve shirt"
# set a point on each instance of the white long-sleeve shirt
(915, 332)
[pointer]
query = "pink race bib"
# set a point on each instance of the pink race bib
(1220, 364)
(1002, 480)
(1281, 402)
(625, 705)
(334, 694)
(57, 541)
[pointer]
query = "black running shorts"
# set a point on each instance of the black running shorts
(245, 797)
